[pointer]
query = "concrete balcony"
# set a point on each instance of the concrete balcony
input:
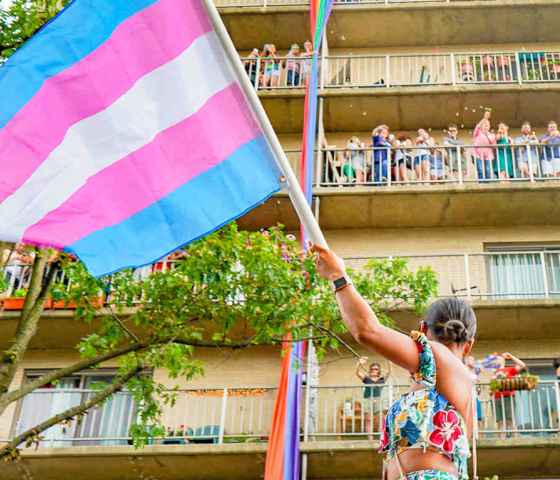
(229, 429)
(411, 91)
(506, 288)
(252, 23)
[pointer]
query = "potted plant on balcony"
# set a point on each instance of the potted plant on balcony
(16, 301)
(522, 381)
(177, 436)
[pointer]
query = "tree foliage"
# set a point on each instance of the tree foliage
(21, 19)
(235, 289)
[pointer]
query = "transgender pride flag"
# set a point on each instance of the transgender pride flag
(125, 134)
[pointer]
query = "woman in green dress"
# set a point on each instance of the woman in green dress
(504, 158)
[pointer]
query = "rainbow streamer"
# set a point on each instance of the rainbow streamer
(319, 16)
(283, 456)
(283, 459)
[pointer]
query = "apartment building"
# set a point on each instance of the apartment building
(493, 239)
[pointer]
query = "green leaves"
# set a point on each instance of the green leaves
(231, 288)
(22, 19)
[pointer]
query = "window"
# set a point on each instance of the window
(107, 424)
(523, 271)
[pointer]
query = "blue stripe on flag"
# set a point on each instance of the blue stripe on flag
(225, 192)
(76, 32)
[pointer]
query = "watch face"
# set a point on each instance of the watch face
(339, 282)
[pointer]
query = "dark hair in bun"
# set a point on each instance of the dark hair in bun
(451, 320)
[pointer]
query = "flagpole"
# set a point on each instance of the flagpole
(297, 197)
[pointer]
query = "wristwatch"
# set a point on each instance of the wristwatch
(341, 283)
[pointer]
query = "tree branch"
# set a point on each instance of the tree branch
(14, 395)
(57, 374)
(10, 451)
(28, 321)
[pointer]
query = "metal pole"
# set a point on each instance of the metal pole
(468, 276)
(223, 417)
(530, 163)
(299, 202)
(557, 395)
(453, 73)
(545, 279)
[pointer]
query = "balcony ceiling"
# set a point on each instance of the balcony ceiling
(421, 206)
(512, 458)
(410, 108)
(415, 24)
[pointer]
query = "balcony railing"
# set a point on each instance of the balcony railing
(490, 275)
(227, 415)
(387, 71)
(409, 165)
(338, 3)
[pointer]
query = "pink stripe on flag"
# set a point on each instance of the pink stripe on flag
(139, 45)
(175, 156)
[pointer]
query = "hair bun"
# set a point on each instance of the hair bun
(454, 331)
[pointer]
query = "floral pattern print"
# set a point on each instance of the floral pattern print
(425, 419)
(430, 475)
(447, 430)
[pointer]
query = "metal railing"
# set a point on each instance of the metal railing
(496, 275)
(337, 3)
(433, 164)
(226, 415)
(220, 415)
(423, 69)
(352, 411)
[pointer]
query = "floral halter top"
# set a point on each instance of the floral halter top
(424, 418)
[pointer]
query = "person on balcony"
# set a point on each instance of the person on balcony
(484, 139)
(381, 151)
(454, 151)
(437, 163)
(527, 137)
(271, 66)
(373, 378)
(504, 400)
(423, 144)
(307, 56)
(354, 168)
(425, 433)
(503, 167)
(551, 151)
(403, 158)
(293, 66)
(250, 62)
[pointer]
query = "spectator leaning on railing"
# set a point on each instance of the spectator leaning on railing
(551, 151)
(381, 150)
(527, 137)
(354, 167)
(483, 140)
(503, 167)
(423, 143)
(307, 55)
(251, 66)
(403, 157)
(456, 158)
(293, 66)
(271, 68)
(505, 400)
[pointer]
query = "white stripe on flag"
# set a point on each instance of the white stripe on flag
(159, 100)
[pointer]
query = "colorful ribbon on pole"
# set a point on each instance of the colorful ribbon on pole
(283, 456)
